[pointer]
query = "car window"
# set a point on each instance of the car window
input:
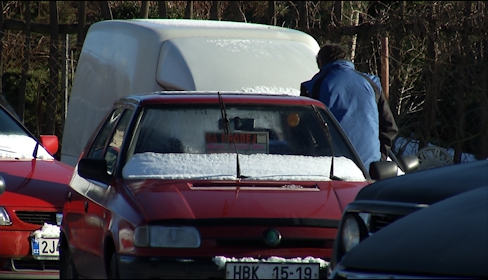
(268, 134)
(115, 144)
(97, 150)
(15, 142)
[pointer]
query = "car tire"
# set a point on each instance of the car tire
(113, 270)
(67, 269)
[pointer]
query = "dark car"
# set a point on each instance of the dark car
(33, 187)
(448, 239)
(210, 185)
(384, 203)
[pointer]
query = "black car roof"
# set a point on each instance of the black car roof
(428, 186)
(449, 238)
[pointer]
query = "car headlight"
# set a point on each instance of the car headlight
(167, 237)
(353, 231)
(4, 217)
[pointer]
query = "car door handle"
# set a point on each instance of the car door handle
(69, 196)
(86, 206)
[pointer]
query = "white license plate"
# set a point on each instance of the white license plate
(45, 248)
(248, 270)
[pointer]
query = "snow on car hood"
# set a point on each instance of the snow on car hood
(254, 166)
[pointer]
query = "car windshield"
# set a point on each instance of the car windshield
(15, 142)
(257, 142)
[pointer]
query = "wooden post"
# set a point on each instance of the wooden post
(302, 15)
(272, 12)
(189, 10)
(25, 61)
(81, 23)
(106, 12)
(215, 10)
(385, 68)
(144, 9)
(53, 93)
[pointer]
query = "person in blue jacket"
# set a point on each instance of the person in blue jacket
(357, 102)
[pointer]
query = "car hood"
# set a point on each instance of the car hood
(209, 200)
(448, 238)
(40, 183)
(428, 186)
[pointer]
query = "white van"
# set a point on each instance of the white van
(122, 57)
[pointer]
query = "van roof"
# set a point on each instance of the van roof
(210, 55)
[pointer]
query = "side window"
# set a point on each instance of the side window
(97, 150)
(115, 144)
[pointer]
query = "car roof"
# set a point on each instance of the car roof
(228, 97)
(448, 238)
(430, 185)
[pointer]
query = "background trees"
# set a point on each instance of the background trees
(434, 70)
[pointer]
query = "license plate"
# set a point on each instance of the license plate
(247, 270)
(45, 248)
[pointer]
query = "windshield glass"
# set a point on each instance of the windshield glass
(15, 142)
(272, 142)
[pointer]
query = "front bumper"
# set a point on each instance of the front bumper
(16, 257)
(131, 267)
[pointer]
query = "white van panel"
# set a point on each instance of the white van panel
(122, 57)
(187, 63)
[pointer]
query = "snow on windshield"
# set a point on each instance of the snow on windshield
(20, 146)
(222, 166)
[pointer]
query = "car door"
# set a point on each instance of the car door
(107, 145)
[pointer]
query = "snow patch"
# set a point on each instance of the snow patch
(47, 231)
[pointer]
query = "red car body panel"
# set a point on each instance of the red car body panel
(32, 186)
(183, 200)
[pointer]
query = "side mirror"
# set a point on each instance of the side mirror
(94, 169)
(409, 163)
(50, 143)
(383, 169)
(3, 186)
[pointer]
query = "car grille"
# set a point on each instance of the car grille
(378, 222)
(37, 218)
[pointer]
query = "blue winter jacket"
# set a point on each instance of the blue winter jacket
(351, 99)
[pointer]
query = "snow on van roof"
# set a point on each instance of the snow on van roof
(194, 23)
(267, 90)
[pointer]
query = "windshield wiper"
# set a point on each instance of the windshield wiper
(329, 139)
(225, 119)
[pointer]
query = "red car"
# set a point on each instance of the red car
(210, 185)
(33, 187)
